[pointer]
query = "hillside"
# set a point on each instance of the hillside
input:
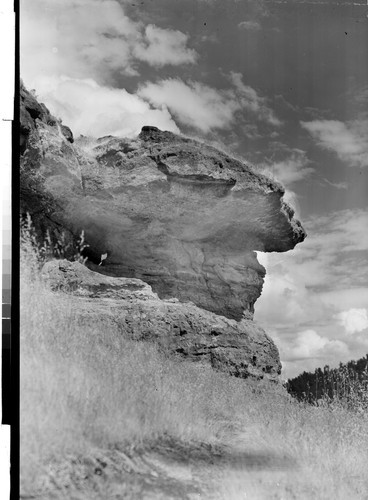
(143, 374)
(107, 417)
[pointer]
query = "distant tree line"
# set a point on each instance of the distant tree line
(348, 383)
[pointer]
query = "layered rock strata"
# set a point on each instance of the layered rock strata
(240, 348)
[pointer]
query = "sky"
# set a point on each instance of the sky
(280, 84)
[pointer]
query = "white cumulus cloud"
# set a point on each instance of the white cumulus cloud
(72, 52)
(309, 344)
(348, 141)
(192, 103)
(85, 47)
(163, 46)
(92, 39)
(205, 108)
(354, 320)
(95, 110)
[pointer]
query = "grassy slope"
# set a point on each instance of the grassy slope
(86, 389)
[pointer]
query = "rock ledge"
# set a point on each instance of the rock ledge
(240, 348)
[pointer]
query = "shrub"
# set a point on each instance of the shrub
(37, 249)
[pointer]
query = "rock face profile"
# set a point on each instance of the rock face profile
(177, 214)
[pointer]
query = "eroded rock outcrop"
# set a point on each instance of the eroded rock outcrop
(239, 348)
(30, 111)
(178, 214)
(172, 226)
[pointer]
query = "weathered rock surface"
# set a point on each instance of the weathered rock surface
(30, 111)
(176, 213)
(239, 348)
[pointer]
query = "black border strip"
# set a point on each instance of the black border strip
(14, 345)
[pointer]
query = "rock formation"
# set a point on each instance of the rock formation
(239, 348)
(175, 213)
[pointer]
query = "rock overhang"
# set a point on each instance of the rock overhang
(241, 349)
(192, 218)
(213, 192)
(179, 214)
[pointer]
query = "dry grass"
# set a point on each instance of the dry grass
(89, 387)
(86, 388)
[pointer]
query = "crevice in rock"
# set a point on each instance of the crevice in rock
(203, 179)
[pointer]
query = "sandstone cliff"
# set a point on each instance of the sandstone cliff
(170, 211)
